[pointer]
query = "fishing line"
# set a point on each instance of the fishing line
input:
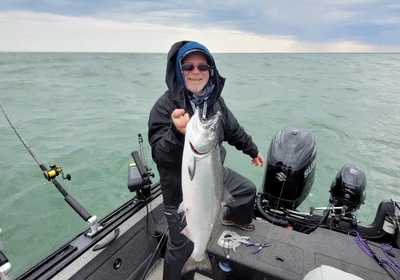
(396, 204)
(51, 174)
(280, 195)
(34, 156)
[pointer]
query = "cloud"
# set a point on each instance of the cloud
(237, 26)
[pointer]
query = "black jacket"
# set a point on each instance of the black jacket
(167, 143)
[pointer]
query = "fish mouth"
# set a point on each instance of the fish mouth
(195, 151)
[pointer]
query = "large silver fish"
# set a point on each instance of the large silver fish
(202, 186)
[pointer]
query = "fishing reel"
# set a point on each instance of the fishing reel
(54, 171)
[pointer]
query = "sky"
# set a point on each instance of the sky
(222, 26)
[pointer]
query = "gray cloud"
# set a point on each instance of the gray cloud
(369, 22)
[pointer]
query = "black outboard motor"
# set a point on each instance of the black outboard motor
(290, 170)
(349, 188)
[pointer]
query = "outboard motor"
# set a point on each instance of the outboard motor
(290, 170)
(348, 189)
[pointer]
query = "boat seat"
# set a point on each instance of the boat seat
(326, 272)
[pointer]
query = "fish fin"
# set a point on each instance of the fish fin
(191, 264)
(183, 217)
(192, 168)
(227, 198)
(186, 232)
(181, 207)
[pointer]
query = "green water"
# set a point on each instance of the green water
(83, 112)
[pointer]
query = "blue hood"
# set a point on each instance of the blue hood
(174, 79)
(189, 48)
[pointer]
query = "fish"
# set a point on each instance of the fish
(202, 186)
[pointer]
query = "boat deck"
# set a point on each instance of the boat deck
(156, 272)
(290, 256)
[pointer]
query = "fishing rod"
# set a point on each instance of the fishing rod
(51, 174)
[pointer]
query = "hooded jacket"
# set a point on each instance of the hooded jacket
(167, 142)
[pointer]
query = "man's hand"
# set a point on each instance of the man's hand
(258, 161)
(180, 119)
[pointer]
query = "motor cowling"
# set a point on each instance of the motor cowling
(290, 168)
(349, 188)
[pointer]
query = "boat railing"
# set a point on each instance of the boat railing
(5, 265)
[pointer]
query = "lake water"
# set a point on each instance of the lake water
(83, 112)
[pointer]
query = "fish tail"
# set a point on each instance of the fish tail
(191, 264)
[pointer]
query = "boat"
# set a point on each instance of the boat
(286, 244)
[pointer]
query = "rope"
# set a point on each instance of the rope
(364, 245)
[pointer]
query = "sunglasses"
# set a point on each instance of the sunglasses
(200, 67)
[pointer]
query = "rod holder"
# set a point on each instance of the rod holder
(94, 226)
(5, 266)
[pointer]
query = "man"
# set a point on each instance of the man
(193, 81)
